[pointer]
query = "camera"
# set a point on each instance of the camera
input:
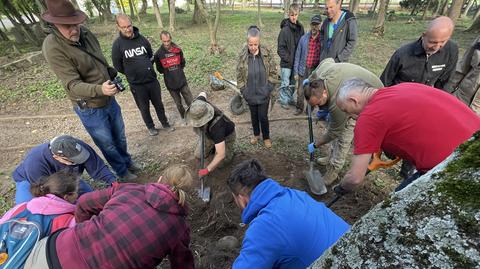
(117, 81)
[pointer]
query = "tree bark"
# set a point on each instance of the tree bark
(477, 15)
(197, 15)
(374, 6)
(132, 10)
(29, 34)
(356, 5)
(172, 16)
(213, 27)
(424, 15)
(260, 23)
(467, 9)
(3, 36)
(286, 6)
(455, 10)
(316, 3)
(475, 27)
(156, 9)
(143, 10)
(438, 8)
(120, 4)
(444, 8)
(379, 27)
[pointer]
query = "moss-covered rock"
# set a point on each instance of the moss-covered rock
(433, 223)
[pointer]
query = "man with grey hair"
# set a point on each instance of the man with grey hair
(416, 134)
(256, 77)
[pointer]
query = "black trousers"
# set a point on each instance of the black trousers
(187, 97)
(259, 117)
(143, 95)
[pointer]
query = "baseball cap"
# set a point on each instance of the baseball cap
(317, 19)
(69, 147)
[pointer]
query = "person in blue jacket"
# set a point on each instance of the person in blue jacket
(287, 228)
(63, 152)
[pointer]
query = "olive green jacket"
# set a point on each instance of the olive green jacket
(80, 74)
(334, 74)
(268, 61)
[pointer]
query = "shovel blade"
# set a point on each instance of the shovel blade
(315, 181)
(205, 194)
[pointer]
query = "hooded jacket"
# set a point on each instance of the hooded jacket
(133, 57)
(170, 63)
(125, 226)
(260, 95)
(287, 228)
(288, 39)
(47, 205)
(344, 39)
(81, 74)
(334, 74)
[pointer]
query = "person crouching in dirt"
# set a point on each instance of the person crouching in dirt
(319, 90)
(125, 226)
(256, 74)
(287, 228)
(219, 133)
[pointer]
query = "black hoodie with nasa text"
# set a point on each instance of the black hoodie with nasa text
(133, 57)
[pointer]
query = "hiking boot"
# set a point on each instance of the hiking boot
(322, 160)
(152, 131)
(128, 177)
(254, 140)
(268, 143)
(330, 176)
(134, 167)
(298, 112)
(168, 128)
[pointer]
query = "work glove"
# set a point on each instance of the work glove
(305, 82)
(339, 190)
(203, 172)
(311, 147)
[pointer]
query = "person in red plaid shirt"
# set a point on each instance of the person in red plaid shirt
(125, 226)
(307, 58)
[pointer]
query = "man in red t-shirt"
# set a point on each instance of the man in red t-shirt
(412, 121)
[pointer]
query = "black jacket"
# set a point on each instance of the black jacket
(344, 39)
(410, 64)
(132, 57)
(171, 63)
(288, 39)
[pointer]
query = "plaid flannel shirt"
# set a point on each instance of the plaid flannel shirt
(313, 56)
(128, 226)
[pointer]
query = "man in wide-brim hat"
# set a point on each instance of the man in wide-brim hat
(75, 56)
(219, 132)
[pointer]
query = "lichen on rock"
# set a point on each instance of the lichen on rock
(432, 223)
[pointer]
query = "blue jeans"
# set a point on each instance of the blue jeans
(286, 73)
(23, 194)
(409, 180)
(105, 126)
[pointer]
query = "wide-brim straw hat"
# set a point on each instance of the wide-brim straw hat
(199, 113)
(63, 12)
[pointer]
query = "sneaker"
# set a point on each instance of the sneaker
(298, 112)
(128, 177)
(330, 176)
(254, 140)
(322, 160)
(134, 167)
(168, 128)
(268, 143)
(152, 131)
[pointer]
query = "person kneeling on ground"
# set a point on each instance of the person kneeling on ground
(256, 75)
(63, 152)
(218, 129)
(125, 226)
(287, 228)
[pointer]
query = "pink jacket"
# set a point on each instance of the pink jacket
(46, 205)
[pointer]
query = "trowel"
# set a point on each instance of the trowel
(313, 176)
(204, 192)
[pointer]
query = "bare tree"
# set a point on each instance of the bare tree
(427, 6)
(121, 5)
(260, 23)
(455, 10)
(467, 9)
(475, 27)
(143, 9)
(197, 15)
(316, 3)
(157, 14)
(212, 26)
(374, 6)
(286, 6)
(355, 6)
(132, 10)
(379, 27)
(12, 13)
(171, 27)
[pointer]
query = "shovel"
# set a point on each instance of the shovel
(203, 192)
(313, 176)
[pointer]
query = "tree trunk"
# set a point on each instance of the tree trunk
(438, 8)
(4, 27)
(374, 6)
(143, 10)
(414, 9)
(9, 8)
(477, 15)
(444, 8)
(212, 27)
(75, 4)
(286, 6)
(379, 27)
(132, 11)
(455, 10)
(120, 4)
(260, 23)
(424, 16)
(157, 14)
(136, 13)
(197, 14)
(475, 27)
(172, 16)
(316, 4)
(3, 36)
(467, 9)
(356, 4)
(350, 5)
(29, 11)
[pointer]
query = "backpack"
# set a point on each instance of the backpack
(19, 234)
